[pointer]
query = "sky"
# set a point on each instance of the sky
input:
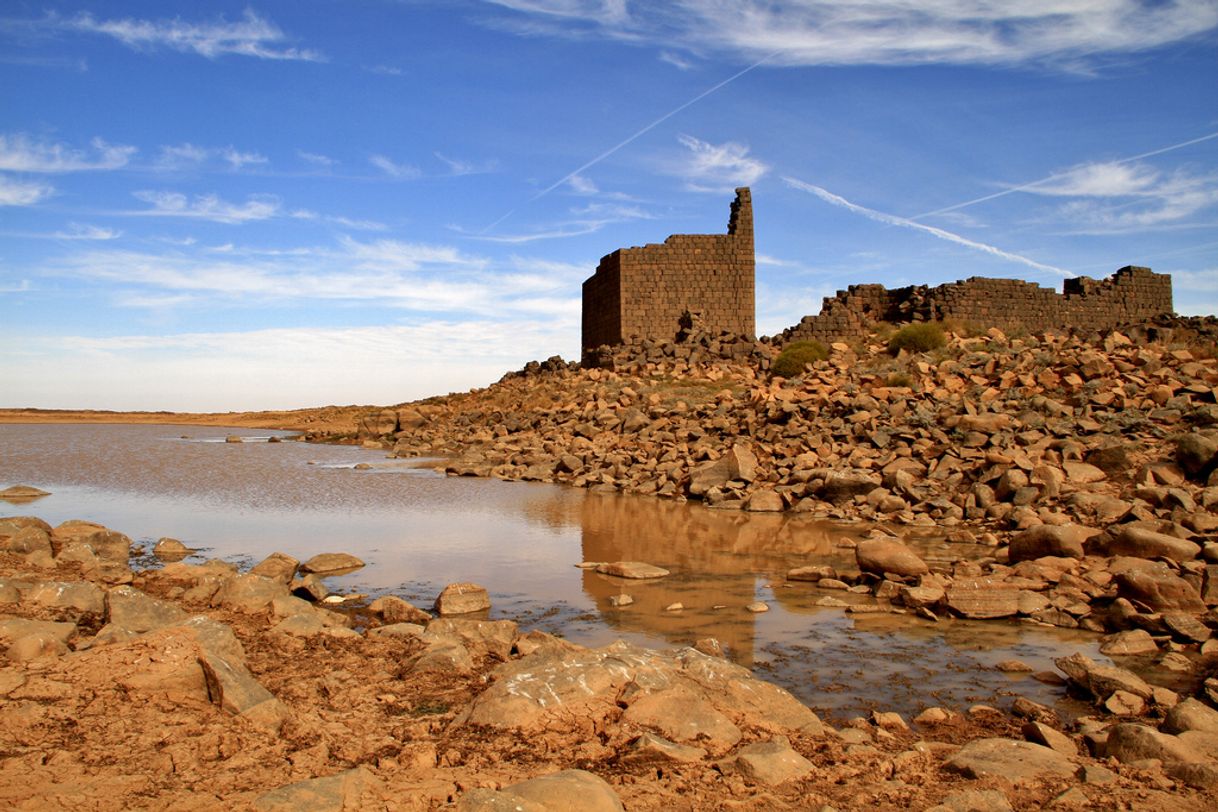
(230, 206)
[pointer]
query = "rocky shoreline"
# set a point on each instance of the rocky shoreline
(187, 686)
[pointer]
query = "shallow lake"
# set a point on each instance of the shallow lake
(419, 530)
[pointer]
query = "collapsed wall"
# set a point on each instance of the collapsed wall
(1131, 295)
(643, 292)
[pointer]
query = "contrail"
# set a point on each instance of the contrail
(893, 220)
(636, 135)
(1057, 175)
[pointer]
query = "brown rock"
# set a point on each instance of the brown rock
(1143, 543)
(882, 555)
(277, 567)
(770, 763)
(1159, 589)
(983, 598)
(462, 599)
(1062, 541)
(558, 792)
(1012, 760)
(631, 569)
(330, 563)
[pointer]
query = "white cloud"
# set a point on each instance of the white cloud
(237, 159)
(1119, 196)
(20, 287)
(20, 153)
(250, 36)
(885, 32)
(360, 225)
(392, 169)
(718, 167)
(677, 61)
(208, 207)
(79, 231)
(181, 156)
(315, 158)
(23, 193)
(582, 186)
(461, 167)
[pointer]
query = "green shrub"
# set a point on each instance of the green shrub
(920, 337)
(796, 355)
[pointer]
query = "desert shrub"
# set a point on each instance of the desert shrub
(920, 337)
(901, 379)
(796, 355)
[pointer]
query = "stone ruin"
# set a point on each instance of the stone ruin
(643, 293)
(1130, 296)
(692, 296)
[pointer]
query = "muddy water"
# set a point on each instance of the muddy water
(419, 530)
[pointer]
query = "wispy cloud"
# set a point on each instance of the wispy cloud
(677, 61)
(460, 167)
(582, 185)
(79, 231)
(316, 158)
(181, 156)
(360, 225)
(20, 287)
(394, 169)
(716, 167)
(881, 32)
(251, 36)
(21, 153)
(893, 220)
(208, 207)
(237, 159)
(23, 193)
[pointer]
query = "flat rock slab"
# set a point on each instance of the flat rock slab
(1006, 758)
(983, 598)
(558, 792)
(328, 563)
(631, 569)
(353, 789)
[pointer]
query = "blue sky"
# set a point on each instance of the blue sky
(278, 204)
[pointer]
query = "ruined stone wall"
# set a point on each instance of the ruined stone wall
(1133, 294)
(644, 291)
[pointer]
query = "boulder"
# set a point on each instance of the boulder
(105, 543)
(168, 549)
(494, 637)
(631, 569)
(739, 463)
(1102, 681)
(1129, 742)
(1042, 734)
(765, 500)
(1060, 541)
(882, 555)
(1014, 761)
(683, 715)
(1191, 715)
(132, 611)
(277, 567)
(1142, 543)
(392, 609)
(974, 800)
(1197, 454)
(331, 563)
(1159, 589)
(248, 593)
(232, 687)
(79, 596)
(770, 763)
(1135, 641)
(558, 792)
(462, 599)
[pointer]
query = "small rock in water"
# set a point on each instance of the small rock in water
(631, 569)
(674, 607)
(620, 600)
(363, 466)
(22, 493)
(710, 647)
(234, 438)
(757, 607)
(171, 550)
(462, 599)
(331, 562)
(1014, 667)
(588, 565)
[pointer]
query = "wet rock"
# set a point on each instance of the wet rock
(1012, 760)
(1159, 589)
(770, 763)
(1143, 543)
(329, 563)
(558, 792)
(462, 599)
(982, 598)
(234, 438)
(631, 569)
(882, 555)
(1062, 541)
(278, 567)
(170, 549)
(393, 609)
(618, 601)
(358, 788)
(22, 493)
(814, 573)
(1101, 681)
(921, 597)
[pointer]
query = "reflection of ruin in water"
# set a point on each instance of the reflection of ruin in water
(717, 558)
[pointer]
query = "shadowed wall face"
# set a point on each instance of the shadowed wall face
(645, 291)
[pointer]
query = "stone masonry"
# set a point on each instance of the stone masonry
(1131, 295)
(645, 292)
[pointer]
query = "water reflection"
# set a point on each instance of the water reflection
(419, 531)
